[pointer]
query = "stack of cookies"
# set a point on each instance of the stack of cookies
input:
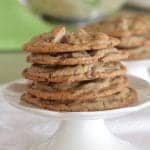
(77, 71)
(133, 30)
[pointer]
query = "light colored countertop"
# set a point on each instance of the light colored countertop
(11, 66)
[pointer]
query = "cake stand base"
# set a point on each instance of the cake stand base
(84, 135)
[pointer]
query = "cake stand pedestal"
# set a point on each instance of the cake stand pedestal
(84, 135)
(82, 130)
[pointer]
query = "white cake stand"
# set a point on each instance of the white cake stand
(82, 130)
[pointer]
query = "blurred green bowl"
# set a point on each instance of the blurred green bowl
(74, 9)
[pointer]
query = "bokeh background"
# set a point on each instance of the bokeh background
(22, 19)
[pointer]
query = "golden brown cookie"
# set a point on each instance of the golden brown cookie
(79, 91)
(123, 26)
(133, 31)
(74, 73)
(121, 99)
(134, 41)
(74, 58)
(138, 53)
(58, 40)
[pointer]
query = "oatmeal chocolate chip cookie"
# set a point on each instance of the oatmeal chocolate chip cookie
(134, 41)
(80, 90)
(120, 99)
(74, 73)
(123, 26)
(58, 40)
(74, 58)
(138, 53)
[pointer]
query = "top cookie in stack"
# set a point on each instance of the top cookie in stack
(132, 29)
(77, 71)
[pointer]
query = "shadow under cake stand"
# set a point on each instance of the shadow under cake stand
(82, 130)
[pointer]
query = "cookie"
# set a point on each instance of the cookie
(123, 26)
(79, 91)
(74, 58)
(58, 40)
(74, 73)
(134, 41)
(121, 99)
(138, 53)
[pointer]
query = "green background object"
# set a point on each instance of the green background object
(11, 66)
(17, 25)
